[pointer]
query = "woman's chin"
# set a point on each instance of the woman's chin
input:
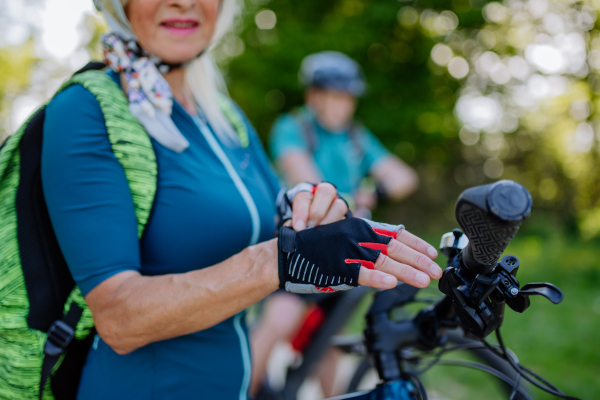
(174, 57)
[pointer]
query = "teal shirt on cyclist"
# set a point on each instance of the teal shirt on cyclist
(199, 218)
(340, 158)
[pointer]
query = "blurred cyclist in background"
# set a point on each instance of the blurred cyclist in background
(322, 141)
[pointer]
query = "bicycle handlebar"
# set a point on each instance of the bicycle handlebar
(490, 216)
(476, 285)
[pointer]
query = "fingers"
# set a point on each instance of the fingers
(325, 195)
(402, 272)
(300, 209)
(337, 212)
(417, 243)
(388, 272)
(322, 207)
(376, 279)
(402, 253)
(407, 265)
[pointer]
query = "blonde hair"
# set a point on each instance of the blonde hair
(205, 80)
(202, 75)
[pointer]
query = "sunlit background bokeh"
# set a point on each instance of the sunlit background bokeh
(507, 89)
(465, 91)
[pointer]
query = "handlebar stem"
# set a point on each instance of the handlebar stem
(384, 338)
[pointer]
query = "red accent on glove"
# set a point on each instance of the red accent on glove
(366, 264)
(314, 189)
(376, 246)
(384, 232)
(325, 289)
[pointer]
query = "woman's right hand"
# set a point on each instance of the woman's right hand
(354, 252)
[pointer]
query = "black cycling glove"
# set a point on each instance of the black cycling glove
(327, 258)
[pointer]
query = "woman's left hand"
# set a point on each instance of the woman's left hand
(322, 207)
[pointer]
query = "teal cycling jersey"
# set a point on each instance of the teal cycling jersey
(190, 227)
(340, 158)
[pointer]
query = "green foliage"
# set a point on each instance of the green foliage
(559, 341)
(412, 102)
(394, 57)
(16, 63)
(409, 104)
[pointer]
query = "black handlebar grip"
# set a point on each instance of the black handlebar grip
(490, 215)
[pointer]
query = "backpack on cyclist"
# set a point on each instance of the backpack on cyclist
(46, 328)
(312, 139)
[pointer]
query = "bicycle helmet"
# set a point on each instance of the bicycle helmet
(332, 70)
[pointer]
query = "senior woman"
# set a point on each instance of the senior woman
(168, 308)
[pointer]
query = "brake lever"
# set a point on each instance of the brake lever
(548, 290)
(520, 302)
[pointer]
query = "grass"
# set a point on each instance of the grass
(559, 342)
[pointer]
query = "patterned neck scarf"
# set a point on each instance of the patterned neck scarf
(149, 94)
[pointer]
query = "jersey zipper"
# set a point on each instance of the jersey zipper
(245, 347)
(243, 190)
(239, 184)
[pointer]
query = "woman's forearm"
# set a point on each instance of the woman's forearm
(131, 310)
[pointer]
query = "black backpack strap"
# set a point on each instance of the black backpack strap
(92, 65)
(311, 136)
(307, 130)
(60, 334)
(354, 133)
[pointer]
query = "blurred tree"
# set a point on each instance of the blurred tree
(30, 73)
(527, 105)
(466, 91)
(410, 101)
(16, 57)
(15, 64)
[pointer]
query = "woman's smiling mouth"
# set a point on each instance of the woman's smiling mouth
(180, 26)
